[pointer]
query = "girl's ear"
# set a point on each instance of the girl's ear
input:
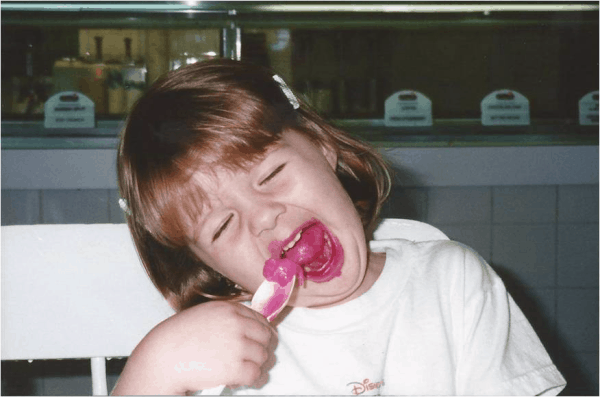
(330, 154)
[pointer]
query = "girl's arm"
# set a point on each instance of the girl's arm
(207, 345)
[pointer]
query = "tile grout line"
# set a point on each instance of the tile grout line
(556, 215)
(576, 288)
(492, 224)
(108, 211)
(41, 198)
(427, 191)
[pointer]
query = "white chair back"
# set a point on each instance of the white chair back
(75, 291)
(80, 291)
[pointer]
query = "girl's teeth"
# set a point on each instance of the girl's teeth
(293, 242)
(297, 237)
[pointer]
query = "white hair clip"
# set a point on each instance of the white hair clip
(124, 206)
(287, 92)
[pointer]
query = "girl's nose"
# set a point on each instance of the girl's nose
(264, 216)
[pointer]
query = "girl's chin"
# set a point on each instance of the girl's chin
(321, 295)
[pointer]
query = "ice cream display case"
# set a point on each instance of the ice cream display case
(345, 59)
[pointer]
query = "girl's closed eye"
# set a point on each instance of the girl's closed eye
(222, 228)
(273, 174)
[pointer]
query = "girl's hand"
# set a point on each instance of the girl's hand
(211, 344)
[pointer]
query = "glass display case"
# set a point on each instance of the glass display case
(346, 59)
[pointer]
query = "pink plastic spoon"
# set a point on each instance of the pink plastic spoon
(271, 297)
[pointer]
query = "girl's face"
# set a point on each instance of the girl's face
(247, 210)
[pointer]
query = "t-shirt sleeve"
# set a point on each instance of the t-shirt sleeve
(500, 353)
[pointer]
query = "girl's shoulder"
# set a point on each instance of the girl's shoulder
(434, 261)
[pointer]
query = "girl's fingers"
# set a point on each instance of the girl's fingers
(257, 327)
(262, 380)
(259, 333)
(270, 363)
(249, 373)
(249, 313)
(256, 353)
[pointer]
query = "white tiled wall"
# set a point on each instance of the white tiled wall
(27, 207)
(81, 206)
(542, 240)
(21, 207)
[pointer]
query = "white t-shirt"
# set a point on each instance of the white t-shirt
(438, 321)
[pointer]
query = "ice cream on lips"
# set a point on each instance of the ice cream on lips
(311, 252)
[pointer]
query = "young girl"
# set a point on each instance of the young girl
(218, 161)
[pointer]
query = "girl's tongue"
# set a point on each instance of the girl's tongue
(317, 255)
(310, 246)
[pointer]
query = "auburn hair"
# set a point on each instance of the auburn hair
(217, 113)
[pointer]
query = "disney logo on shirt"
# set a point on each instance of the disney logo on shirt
(366, 385)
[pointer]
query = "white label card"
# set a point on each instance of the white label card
(69, 109)
(505, 107)
(588, 109)
(407, 109)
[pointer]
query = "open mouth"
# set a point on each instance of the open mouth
(314, 248)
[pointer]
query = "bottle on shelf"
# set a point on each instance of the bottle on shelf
(133, 77)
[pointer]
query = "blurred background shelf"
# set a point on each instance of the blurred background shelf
(444, 133)
(344, 58)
